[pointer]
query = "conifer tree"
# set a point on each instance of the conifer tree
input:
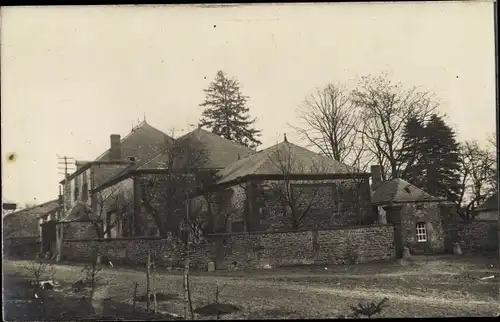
(441, 160)
(226, 113)
(412, 151)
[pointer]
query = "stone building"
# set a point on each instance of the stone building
(289, 187)
(31, 227)
(489, 209)
(282, 187)
(417, 216)
(79, 206)
(145, 185)
(143, 141)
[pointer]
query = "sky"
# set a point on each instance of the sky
(71, 76)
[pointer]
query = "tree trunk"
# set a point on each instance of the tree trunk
(188, 307)
(186, 290)
(155, 303)
(148, 301)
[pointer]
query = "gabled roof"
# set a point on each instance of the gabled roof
(221, 152)
(400, 191)
(38, 210)
(77, 212)
(284, 157)
(490, 203)
(141, 142)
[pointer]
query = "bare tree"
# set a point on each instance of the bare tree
(331, 123)
(385, 109)
(296, 200)
(478, 179)
(114, 201)
(493, 147)
(164, 195)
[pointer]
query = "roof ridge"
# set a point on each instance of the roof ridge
(152, 157)
(262, 162)
(202, 130)
(141, 125)
(30, 208)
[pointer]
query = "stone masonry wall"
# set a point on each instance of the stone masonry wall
(428, 213)
(335, 203)
(79, 230)
(134, 251)
(336, 246)
(478, 235)
(21, 225)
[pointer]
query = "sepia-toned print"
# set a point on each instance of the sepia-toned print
(250, 161)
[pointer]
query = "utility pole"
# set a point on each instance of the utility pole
(65, 165)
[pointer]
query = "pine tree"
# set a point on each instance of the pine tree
(412, 169)
(440, 160)
(226, 113)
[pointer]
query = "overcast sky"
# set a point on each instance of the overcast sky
(71, 76)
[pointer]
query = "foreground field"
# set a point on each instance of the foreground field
(436, 288)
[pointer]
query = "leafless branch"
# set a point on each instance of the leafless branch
(385, 108)
(478, 176)
(296, 200)
(331, 122)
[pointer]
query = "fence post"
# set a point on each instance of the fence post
(148, 301)
(154, 289)
(135, 296)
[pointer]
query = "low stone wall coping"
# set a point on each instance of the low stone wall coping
(115, 239)
(296, 230)
(477, 221)
(230, 234)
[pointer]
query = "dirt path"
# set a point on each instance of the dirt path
(267, 297)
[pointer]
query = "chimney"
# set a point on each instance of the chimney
(376, 171)
(116, 148)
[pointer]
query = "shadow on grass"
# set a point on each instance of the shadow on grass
(20, 304)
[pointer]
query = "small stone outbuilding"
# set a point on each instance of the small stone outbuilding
(416, 215)
(489, 209)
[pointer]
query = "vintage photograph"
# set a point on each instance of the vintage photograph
(250, 161)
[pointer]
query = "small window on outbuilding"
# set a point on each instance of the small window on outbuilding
(421, 232)
(237, 226)
(153, 231)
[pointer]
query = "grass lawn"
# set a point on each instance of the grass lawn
(436, 288)
(19, 304)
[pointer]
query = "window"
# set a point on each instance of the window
(421, 233)
(110, 225)
(77, 187)
(153, 231)
(238, 226)
(85, 192)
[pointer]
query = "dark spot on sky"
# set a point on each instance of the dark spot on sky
(11, 157)
(205, 77)
(215, 26)
(457, 76)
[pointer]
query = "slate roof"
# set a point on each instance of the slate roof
(400, 191)
(37, 210)
(221, 152)
(141, 142)
(272, 161)
(490, 204)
